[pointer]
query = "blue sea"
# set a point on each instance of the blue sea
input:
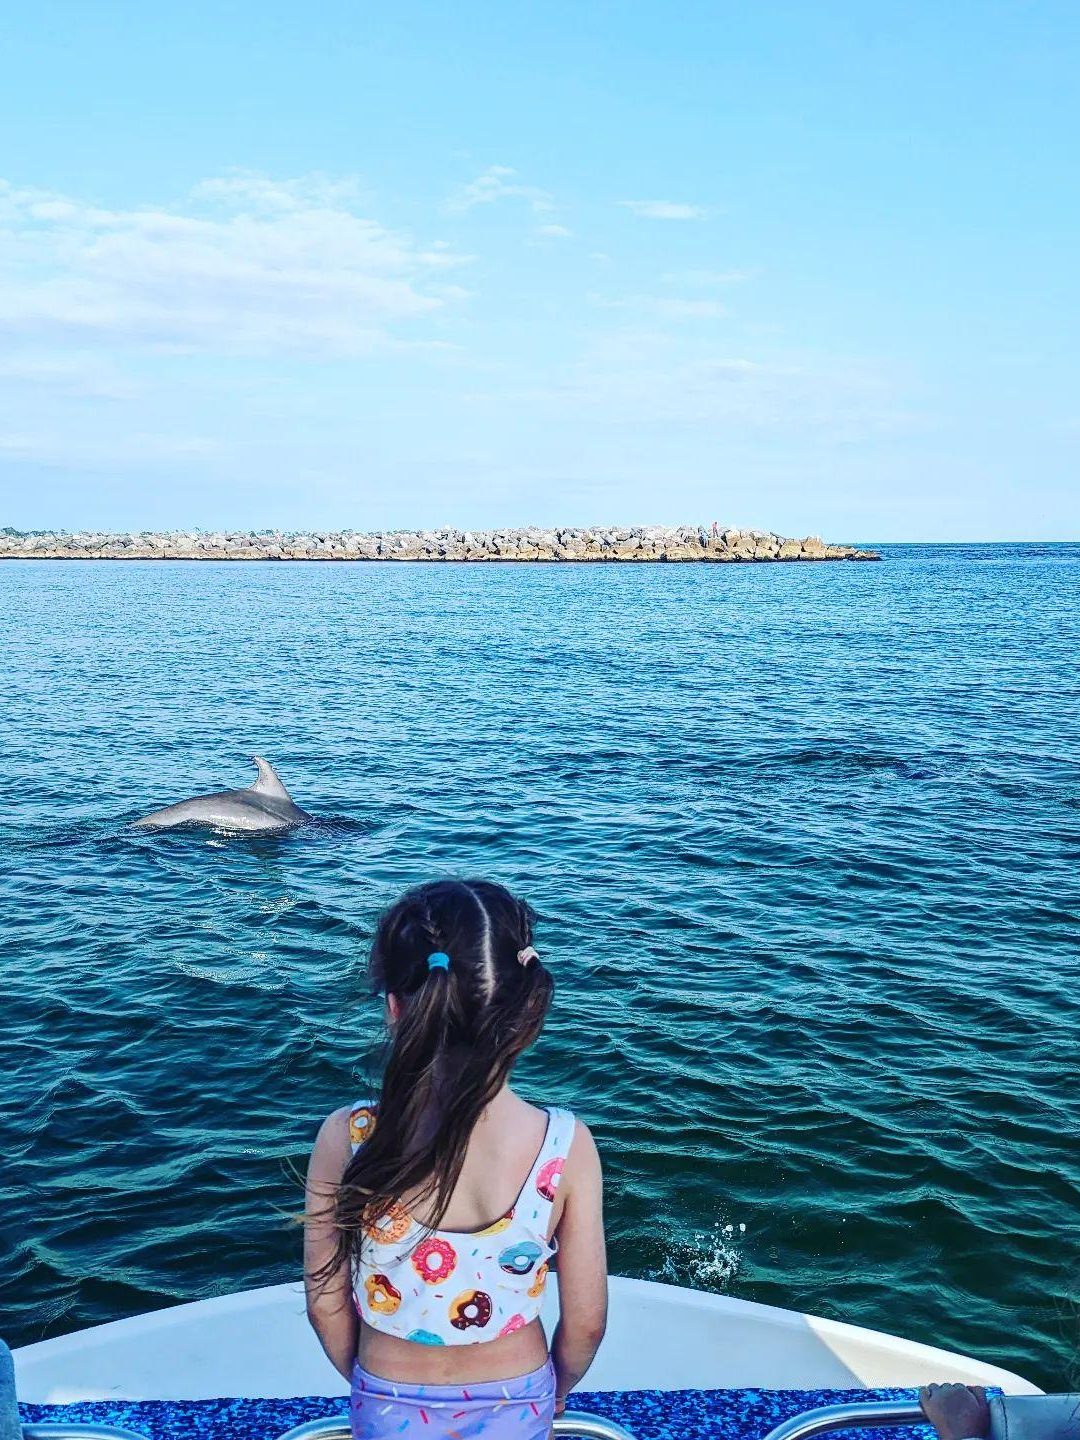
(804, 841)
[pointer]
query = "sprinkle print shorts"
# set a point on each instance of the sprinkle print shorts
(517, 1409)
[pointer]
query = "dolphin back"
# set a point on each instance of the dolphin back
(263, 808)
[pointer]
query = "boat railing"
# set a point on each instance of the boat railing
(77, 1430)
(1012, 1417)
(589, 1427)
(574, 1423)
(856, 1416)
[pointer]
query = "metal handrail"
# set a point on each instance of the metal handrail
(570, 1423)
(590, 1427)
(77, 1430)
(334, 1427)
(870, 1413)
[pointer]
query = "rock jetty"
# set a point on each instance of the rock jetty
(680, 543)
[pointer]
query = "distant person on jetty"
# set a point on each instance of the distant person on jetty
(434, 1211)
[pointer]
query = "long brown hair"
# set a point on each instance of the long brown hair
(452, 1047)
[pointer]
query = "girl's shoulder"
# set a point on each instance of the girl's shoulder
(356, 1120)
(562, 1128)
(565, 1124)
(568, 1147)
(361, 1117)
(582, 1150)
(330, 1153)
(345, 1129)
(569, 1152)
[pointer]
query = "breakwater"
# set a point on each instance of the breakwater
(597, 543)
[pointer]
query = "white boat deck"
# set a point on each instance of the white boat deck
(257, 1343)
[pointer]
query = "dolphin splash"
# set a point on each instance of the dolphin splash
(265, 808)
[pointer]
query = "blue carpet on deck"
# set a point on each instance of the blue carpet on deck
(647, 1414)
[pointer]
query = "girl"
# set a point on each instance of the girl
(433, 1213)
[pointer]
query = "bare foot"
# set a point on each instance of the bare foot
(956, 1412)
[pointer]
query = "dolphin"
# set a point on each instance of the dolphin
(265, 808)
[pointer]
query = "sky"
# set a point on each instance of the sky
(806, 267)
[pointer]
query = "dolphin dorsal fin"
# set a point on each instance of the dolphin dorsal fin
(268, 783)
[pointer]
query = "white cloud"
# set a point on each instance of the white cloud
(554, 232)
(246, 265)
(641, 377)
(662, 209)
(707, 278)
(79, 375)
(663, 307)
(86, 451)
(499, 182)
(260, 192)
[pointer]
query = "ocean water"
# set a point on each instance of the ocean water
(804, 841)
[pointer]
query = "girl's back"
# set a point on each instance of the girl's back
(502, 1147)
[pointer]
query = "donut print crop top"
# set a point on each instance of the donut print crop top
(453, 1287)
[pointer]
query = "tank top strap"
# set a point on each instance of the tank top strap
(543, 1181)
(362, 1116)
(560, 1133)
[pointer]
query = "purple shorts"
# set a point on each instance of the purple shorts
(517, 1409)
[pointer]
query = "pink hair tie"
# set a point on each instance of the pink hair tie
(527, 955)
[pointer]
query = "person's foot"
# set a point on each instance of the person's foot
(957, 1412)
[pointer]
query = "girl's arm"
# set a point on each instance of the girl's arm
(582, 1267)
(329, 1300)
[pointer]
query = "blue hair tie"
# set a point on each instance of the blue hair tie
(438, 960)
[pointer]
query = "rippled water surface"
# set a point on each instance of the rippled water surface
(804, 840)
